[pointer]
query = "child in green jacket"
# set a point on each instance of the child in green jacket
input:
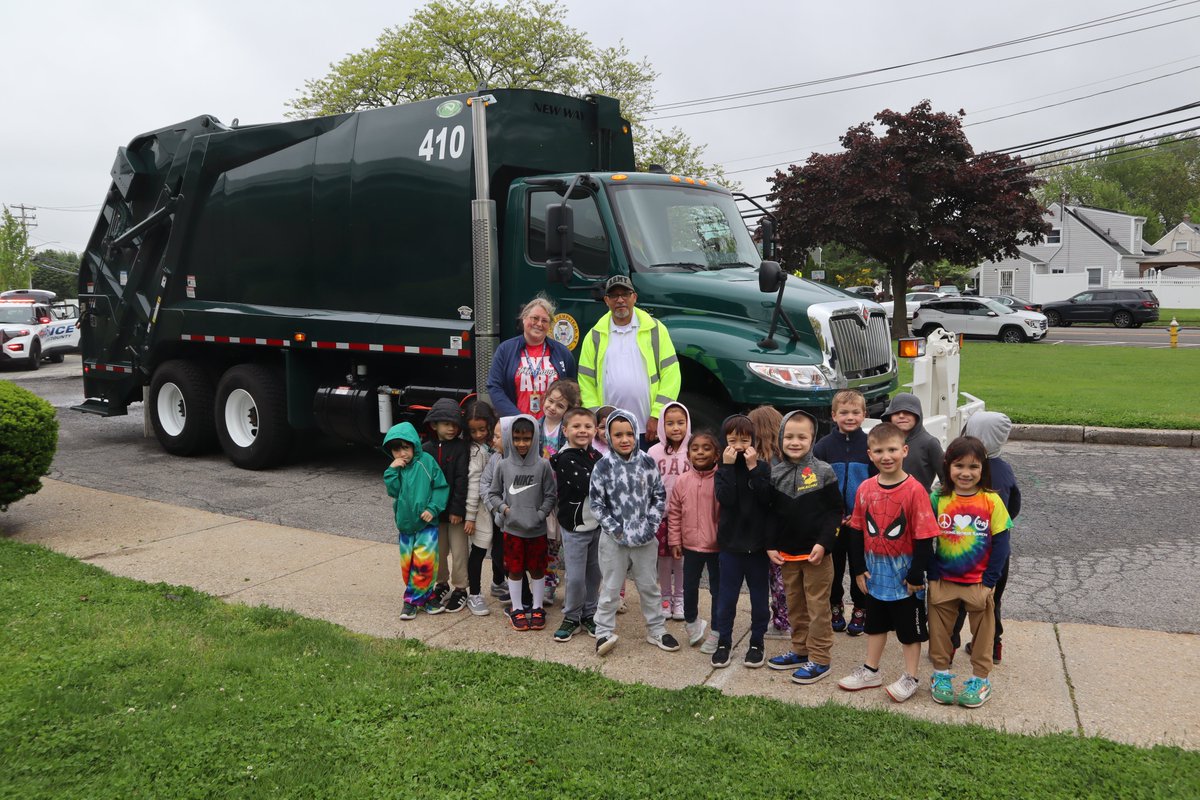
(419, 493)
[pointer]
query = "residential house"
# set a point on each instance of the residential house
(1084, 248)
(1179, 251)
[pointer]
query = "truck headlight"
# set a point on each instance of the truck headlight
(805, 376)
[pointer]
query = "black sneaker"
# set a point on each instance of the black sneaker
(720, 659)
(605, 644)
(566, 631)
(438, 595)
(457, 601)
(589, 625)
(665, 642)
(755, 657)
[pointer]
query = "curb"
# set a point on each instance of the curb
(1086, 434)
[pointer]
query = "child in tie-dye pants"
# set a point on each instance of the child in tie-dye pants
(419, 493)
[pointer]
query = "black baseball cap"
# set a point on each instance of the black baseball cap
(618, 282)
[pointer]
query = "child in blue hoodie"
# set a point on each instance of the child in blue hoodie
(419, 493)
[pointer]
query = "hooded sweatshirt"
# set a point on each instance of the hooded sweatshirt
(992, 428)
(452, 455)
(627, 494)
(745, 499)
(692, 511)
(806, 501)
(419, 486)
(524, 484)
(573, 468)
(480, 454)
(924, 459)
(672, 465)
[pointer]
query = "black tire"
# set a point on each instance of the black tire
(1053, 319)
(35, 356)
(56, 357)
(1011, 334)
(1123, 319)
(707, 413)
(251, 416)
(181, 408)
(928, 329)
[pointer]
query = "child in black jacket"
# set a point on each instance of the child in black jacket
(744, 496)
(580, 530)
(453, 455)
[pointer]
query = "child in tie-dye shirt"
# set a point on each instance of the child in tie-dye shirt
(968, 558)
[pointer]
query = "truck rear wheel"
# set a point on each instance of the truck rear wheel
(181, 408)
(252, 416)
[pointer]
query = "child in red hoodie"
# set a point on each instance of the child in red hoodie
(692, 533)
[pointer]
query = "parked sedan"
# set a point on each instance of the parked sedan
(1125, 308)
(911, 301)
(1015, 303)
(979, 316)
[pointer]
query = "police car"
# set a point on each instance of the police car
(33, 329)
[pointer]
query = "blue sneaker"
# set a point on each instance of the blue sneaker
(858, 622)
(786, 661)
(941, 687)
(837, 616)
(810, 672)
(975, 692)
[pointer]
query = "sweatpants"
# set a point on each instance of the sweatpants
(640, 563)
(808, 608)
(454, 545)
(694, 562)
(753, 570)
(418, 563)
(581, 554)
(956, 637)
(945, 599)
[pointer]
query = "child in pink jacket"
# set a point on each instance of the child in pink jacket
(692, 533)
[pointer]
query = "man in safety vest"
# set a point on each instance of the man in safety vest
(628, 361)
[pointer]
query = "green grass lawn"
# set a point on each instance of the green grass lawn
(113, 688)
(1187, 318)
(1118, 387)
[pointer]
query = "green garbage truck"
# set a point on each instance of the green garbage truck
(336, 274)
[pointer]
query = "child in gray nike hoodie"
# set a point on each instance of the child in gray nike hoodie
(522, 494)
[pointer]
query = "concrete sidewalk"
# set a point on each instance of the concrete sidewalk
(1080, 679)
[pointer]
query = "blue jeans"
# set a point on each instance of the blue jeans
(736, 569)
(694, 563)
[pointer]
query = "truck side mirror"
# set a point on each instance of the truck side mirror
(766, 227)
(560, 240)
(770, 276)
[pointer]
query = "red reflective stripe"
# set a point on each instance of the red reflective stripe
(196, 337)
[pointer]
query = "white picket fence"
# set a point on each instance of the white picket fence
(1172, 291)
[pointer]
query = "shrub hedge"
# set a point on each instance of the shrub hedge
(28, 439)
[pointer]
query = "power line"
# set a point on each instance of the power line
(1098, 129)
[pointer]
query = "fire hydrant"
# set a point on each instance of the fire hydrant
(1174, 332)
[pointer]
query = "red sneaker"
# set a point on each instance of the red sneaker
(537, 619)
(519, 620)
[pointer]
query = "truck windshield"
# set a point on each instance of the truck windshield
(678, 227)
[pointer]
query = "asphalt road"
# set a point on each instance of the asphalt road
(1106, 534)
(1109, 336)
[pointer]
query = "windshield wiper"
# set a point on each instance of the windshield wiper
(727, 264)
(697, 267)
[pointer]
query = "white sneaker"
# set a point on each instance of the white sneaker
(695, 631)
(903, 688)
(861, 678)
(677, 608)
(710, 644)
(477, 605)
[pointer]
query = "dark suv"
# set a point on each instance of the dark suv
(1125, 308)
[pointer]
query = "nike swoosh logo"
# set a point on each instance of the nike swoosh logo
(515, 490)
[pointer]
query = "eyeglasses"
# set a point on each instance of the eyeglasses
(620, 295)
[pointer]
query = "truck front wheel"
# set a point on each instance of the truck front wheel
(252, 416)
(181, 408)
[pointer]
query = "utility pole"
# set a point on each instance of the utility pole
(28, 220)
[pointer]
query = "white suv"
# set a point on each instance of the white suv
(979, 316)
(31, 331)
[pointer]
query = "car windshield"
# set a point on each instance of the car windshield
(999, 308)
(682, 228)
(21, 314)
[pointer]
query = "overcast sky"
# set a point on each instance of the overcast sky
(82, 78)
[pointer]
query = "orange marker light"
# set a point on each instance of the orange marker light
(703, 182)
(910, 348)
(676, 178)
(691, 180)
(620, 177)
(299, 337)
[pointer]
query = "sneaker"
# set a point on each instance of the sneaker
(548, 595)
(788, 660)
(839, 618)
(566, 631)
(720, 656)
(409, 612)
(810, 672)
(457, 601)
(537, 619)
(975, 692)
(500, 592)
(861, 678)
(903, 688)
(666, 607)
(589, 626)
(677, 608)
(778, 633)
(605, 644)
(755, 657)
(621, 609)
(520, 620)
(433, 605)
(665, 642)
(710, 643)
(439, 593)
(695, 631)
(941, 686)
(477, 605)
(858, 622)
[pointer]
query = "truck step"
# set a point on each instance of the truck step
(100, 407)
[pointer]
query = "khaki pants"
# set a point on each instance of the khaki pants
(945, 598)
(808, 588)
(454, 543)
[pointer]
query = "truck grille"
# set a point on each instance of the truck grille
(860, 351)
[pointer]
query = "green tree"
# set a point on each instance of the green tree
(57, 271)
(15, 252)
(454, 46)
